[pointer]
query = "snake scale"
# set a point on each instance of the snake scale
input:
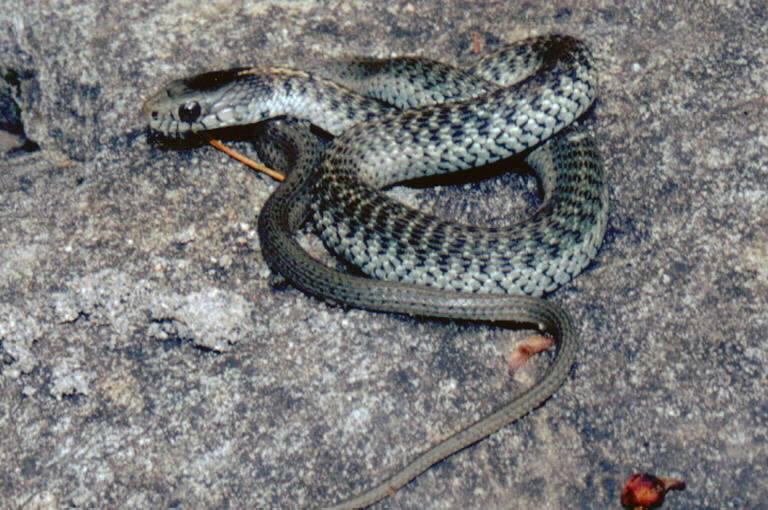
(403, 118)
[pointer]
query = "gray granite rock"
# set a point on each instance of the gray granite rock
(147, 363)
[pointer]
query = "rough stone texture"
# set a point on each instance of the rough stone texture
(147, 363)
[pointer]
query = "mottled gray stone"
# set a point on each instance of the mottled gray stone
(147, 363)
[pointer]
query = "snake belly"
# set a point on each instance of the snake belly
(524, 98)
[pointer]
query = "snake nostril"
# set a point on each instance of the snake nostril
(189, 112)
(154, 114)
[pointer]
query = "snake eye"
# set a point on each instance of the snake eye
(189, 112)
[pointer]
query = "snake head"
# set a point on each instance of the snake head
(193, 104)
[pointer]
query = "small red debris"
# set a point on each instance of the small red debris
(477, 43)
(644, 491)
(525, 349)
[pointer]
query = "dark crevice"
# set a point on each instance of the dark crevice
(13, 138)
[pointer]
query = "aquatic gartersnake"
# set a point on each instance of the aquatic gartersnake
(521, 99)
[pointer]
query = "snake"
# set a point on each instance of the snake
(397, 119)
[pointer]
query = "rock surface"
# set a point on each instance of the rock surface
(147, 363)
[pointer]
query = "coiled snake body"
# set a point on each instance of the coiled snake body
(404, 118)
